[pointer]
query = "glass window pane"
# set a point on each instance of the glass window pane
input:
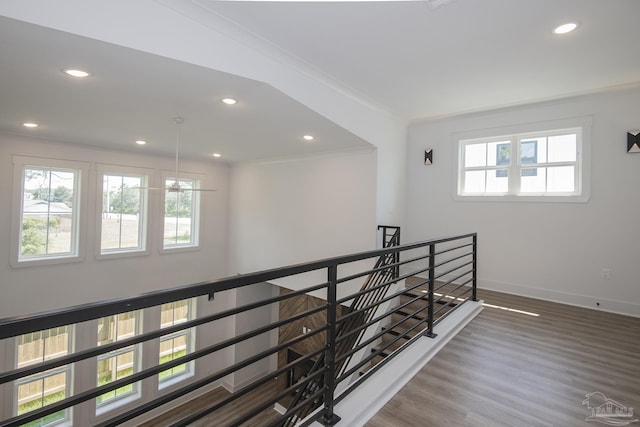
(119, 363)
(48, 226)
(180, 214)
(474, 181)
(122, 212)
(40, 346)
(177, 344)
(475, 155)
(533, 180)
(499, 153)
(47, 387)
(563, 148)
(561, 179)
(497, 181)
(529, 151)
(115, 368)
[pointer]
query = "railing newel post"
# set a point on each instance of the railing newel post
(432, 263)
(474, 293)
(330, 418)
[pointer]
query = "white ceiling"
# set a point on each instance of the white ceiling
(410, 59)
(134, 95)
(419, 61)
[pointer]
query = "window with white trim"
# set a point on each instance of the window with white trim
(123, 219)
(540, 164)
(44, 388)
(48, 196)
(181, 213)
(177, 344)
(120, 363)
(48, 214)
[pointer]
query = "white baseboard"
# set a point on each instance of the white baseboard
(233, 387)
(596, 303)
(601, 304)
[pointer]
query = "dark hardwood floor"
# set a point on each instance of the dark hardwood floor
(523, 362)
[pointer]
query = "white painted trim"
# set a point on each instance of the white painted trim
(608, 305)
(362, 404)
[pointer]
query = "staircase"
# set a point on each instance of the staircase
(410, 314)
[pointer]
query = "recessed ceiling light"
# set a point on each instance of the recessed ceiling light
(76, 73)
(230, 101)
(141, 142)
(565, 28)
(217, 155)
(308, 137)
(30, 125)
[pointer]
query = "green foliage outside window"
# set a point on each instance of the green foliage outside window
(34, 234)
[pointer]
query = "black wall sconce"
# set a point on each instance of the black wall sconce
(428, 156)
(633, 141)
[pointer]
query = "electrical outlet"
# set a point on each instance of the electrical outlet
(605, 273)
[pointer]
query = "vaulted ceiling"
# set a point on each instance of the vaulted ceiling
(417, 60)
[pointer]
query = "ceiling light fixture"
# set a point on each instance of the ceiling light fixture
(217, 155)
(76, 73)
(308, 137)
(141, 142)
(30, 125)
(565, 28)
(229, 101)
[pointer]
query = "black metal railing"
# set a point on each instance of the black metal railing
(446, 267)
(360, 311)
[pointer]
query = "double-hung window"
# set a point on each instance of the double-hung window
(181, 213)
(545, 164)
(119, 363)
(123, 218)
(44, 388)
(47, 214)
(176, 344)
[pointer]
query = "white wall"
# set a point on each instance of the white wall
(33, 289)
(553, 251)
(292, 211)
(184, 31)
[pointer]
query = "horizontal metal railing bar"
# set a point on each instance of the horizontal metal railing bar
(382, 332)
(368, 291)
(367, 359)
(449, 260)
(20, 325)
(373, 369)
(444, 251)
(445, 315)
(447, 305)
(107, 348)
(133, 413)
(450, 292)
(309, 400)
(382, 316)
(393, 280)
(439, 275)
(383, 267)
(258, 383)
(364, 273)
(445, 301)
(138, 376)
(269, 403)
(221, 285)
(379, 334)
(453, 279)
